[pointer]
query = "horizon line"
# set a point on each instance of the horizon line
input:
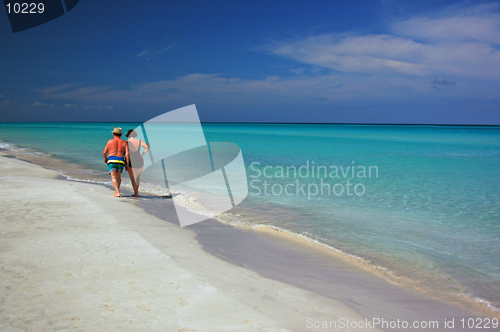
(285, 123)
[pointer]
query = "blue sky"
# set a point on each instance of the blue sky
(435, 62)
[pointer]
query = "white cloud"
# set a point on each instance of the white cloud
(476, 23)
(150, 54)
(383, 54)
(218, 90)
(83, 91)
(98, 107)
(69, 105)
(58, 88)
(39, 104)
(483, 28)
(463, 44)
(163, 50)
(298, 71)
(363, 54)
(140, 54)
(372, 68)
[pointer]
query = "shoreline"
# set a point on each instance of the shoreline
(477, 305)
(362, 264)
(298, 264)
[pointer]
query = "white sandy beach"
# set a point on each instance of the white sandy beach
(69, 261)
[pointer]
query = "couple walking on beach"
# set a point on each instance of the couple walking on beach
(122, 155)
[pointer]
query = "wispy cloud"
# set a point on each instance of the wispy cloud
(58, 88)
(148, 54)
(215, 89)
(477, 24)
(370, 68)
(140, 54)
(163, 50)
(464, 44)
(37, 104)
(98, 107)
(363, 54)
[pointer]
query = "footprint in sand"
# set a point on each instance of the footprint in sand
(108, 307)
(145, 307)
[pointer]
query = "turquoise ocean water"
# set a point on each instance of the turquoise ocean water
(421, 202)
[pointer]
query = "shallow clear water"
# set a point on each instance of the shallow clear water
(423, 201)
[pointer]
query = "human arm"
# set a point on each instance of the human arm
(105, 154)
(146, 148)
(127, 154)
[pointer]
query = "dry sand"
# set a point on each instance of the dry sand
(70, 260)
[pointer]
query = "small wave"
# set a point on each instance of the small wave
(71, 178)
(11, 148)
(482, 302)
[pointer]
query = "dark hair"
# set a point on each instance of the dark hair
(131, 133)
(118, 135)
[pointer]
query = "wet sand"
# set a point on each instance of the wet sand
(309, 266)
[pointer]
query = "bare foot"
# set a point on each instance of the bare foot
(135, 195)
(117, 194)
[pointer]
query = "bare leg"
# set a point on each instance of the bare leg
(138, 183)
(132, 179)
(116, 178)
(138, 178)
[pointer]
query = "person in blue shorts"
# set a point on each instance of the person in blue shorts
(114, 155)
